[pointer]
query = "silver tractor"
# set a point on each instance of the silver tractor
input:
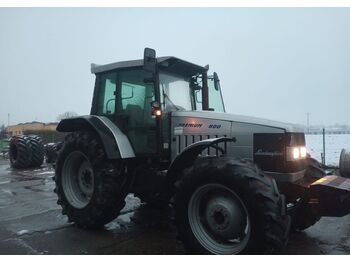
(158, 129)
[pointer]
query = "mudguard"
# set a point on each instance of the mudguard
(187, 157)
(115, 142)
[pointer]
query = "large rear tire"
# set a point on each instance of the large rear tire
(90, 188)
(20, 152)
(227, 206)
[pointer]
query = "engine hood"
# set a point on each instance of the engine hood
(292, 128)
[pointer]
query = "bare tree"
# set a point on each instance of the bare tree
(68, 114)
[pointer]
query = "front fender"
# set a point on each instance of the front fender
(115, 142)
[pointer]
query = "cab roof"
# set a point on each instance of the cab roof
(170, 64)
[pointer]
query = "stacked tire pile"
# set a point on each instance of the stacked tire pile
(26, 151)
(51, 151)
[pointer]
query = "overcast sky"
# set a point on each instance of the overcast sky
(276, 63)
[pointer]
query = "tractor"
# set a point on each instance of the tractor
(158, 129)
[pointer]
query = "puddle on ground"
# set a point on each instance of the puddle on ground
(7, 191)
(9, 175)
(24, 178)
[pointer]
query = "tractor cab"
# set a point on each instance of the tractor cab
(140, 95)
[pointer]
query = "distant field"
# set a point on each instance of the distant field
(334, 145)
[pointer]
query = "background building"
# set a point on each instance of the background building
(47, 131)
(24, 128)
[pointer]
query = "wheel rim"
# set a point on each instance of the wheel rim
(219, 219)
(78, 179)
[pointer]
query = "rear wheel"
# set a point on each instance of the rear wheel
(90, 188)
(226, 206)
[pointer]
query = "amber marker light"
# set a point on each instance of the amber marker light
(157, 112)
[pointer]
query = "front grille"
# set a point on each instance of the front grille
(182, 141)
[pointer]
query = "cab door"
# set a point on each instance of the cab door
(136, 95)
(125, 98)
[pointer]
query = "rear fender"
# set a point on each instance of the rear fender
(114, 141)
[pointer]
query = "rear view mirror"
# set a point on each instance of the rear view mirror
(216, 81)
(195, 83)
(149, 60)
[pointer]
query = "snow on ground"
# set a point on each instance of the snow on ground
(334, 145)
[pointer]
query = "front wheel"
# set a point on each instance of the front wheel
(90, 188)
(227, 206)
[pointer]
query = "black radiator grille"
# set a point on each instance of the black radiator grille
(183, 141)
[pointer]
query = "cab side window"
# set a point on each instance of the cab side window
(215, 98)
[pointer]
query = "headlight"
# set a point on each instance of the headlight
(296, 153)
(302, 151)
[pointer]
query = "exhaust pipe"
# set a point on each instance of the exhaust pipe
(344, 163)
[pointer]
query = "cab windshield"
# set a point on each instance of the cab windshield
(179, 93)
(175, 92)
